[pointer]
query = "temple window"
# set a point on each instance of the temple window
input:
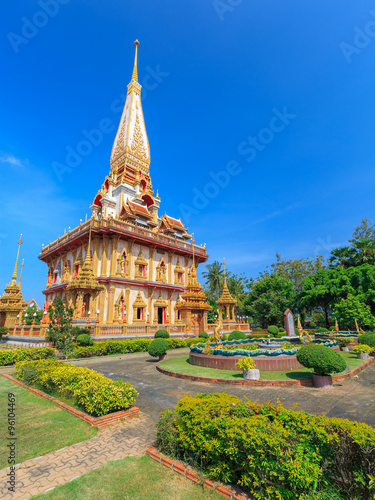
(140, 266)
(161, 272)
(140, 313)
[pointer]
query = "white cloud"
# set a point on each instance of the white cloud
(12, 160)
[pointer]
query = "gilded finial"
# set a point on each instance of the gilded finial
(135, 69)
(225, 275)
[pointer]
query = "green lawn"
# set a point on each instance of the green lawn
(131, 478)
(41, 426)
(181, 364)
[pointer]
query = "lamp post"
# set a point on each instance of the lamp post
(44, 320)
(97, 316)
(33, 321)
(88, 317)
(148, 317)
(24, 321)
(124, 318)
(18, 320)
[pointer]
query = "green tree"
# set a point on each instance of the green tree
(343, 257)
(324, 289)
(362, 280)
(214, 279)
(60, 327)
(268, 299)
(30, 315)
(365, 231)
(350, 309)
(237, 285)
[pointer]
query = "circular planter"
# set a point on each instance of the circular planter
(163, 356)
(253, 374)
(322, 381)
(363, 355)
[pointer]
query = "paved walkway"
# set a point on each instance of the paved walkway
(353, 399)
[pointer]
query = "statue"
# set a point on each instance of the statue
(217, 329)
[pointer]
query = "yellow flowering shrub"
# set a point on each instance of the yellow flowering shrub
(269, 451)
(95, 393)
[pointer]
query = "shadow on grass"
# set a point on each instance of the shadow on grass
(299, 375)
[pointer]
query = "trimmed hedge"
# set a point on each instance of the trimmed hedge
(323, 360)
(322, 330)
(270, 451)
(162, 334)
(203, 335)
(236, 335)
(367, 339)
(92, 391)
(12, 356)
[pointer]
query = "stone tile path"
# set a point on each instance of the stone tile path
(353, 399)
(132, 437)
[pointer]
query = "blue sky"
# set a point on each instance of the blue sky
(216, 76)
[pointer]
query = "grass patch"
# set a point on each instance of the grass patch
(180, 364)
(131, 478)
(41, 426)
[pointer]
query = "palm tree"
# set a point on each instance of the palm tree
(365, 251)
(214, 279)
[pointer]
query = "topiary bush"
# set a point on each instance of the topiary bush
(323, 360)
(281, 330)
(84, 340)
(224, 337)
(273, 330)
(203, 335)
(344, 341)
(158, 347)
(258, 329)
(322, 330)
(367, 339)
(12, 356)
(162, 334)
(312, 324)
(236, 335)
(3, 331)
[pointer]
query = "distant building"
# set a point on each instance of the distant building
(31, 303)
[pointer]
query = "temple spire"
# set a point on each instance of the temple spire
(225, 275)
(14, 277)
(135, 69)
(19, 283)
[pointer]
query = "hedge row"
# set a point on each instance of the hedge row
(270, 451)
(126, 346)
(92, 391)
(12, 356)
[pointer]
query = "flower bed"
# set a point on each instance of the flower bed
(88, 389)
(272, 452)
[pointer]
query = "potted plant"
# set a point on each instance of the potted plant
(158, 348)
(343, 342)
(248, 367)
(324, 361)
(363, 351)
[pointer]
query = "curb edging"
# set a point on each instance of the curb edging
(191, 474)
(98, 422)
(260, 383)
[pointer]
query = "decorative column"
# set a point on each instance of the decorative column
(110, 303)
(95, 262)
(104, 263)
(151, 263)
(114, 243)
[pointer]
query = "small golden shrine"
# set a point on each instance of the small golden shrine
(12, 303)
(84, 288)
(226, 302)
(192, 304)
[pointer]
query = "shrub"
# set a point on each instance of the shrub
(3, 331)
(312, 324)
(273, 330)
(224, 337)
(258, 329)
(281, 330)
(77, 330)
(362, 348)
(344, 341)
(246, 363)
(95, 393)
(195, 340)
(323, 360)
(367, 339)
(203, 335)
(158, 347)
(12, 356)
(322, 330)
(236, 335)
(162, 334)
(84, 340)
(268, 450)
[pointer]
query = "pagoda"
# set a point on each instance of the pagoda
(226, 303)
(12, 303)
(193, 304)
(138, 263)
